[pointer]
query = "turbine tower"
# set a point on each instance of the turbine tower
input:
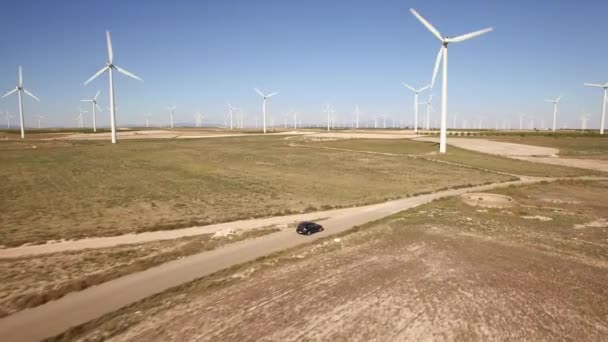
(110, 69)
(357, 116)
(428, 113)
(94, 102)
(555, 102)
(20, 90)
(8, 119)
(264, 97)
(171, 111)
(605, 86)
(328, 110)
(443, 55)
(416, 92)
(231, 113)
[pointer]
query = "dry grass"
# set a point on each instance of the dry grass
(69, 190)
(32, 281)
(442, 262)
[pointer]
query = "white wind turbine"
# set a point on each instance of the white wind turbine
(20, 90)
(40, 117)
(357, 116)
(147, 116)
(328, 110)
(428, 113)
(95, 106)
(555, 102)
(110, 69)
(171, 112)
(605, 86)
(80, 117)
(521, 121)
(443, 55)
(264, 97)
(8, 119)
(231, 113)
(416, 92)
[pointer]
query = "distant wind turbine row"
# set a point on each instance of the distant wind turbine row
(441, 60)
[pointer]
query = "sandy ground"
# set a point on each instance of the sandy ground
(76, 308)
(538, 154)
(364, 135)
(164, 134)
(499, 148)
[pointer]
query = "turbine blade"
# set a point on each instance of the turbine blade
(427, 24)
(10, 92)
(110, 52)
(96, 75)
(594, 85)
(408, 87)
(549, 101)
(125, 72)
(99, 109)
(469, 35)
(95, 98)
(20, 77)
(559, 98)
(271, 94)
(424, 88)
(259, 92)
(437, 63)
(30, 94)
(86, 100)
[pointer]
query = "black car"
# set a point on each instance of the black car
(307, 228)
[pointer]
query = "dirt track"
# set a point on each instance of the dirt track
(55, 317)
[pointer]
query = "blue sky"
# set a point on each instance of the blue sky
(202, 54)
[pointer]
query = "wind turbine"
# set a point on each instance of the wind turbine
(428, 113)
(20, 90)
(555, 102)
(605, 86)
(584, 120)
(80, 117)
(357, 116)
(231, 113)
(328, 110)
(521, 121)
(40, 117)
(110, 69)
(8, 119)
(147, 116)
(94, 102)
(443, 55)
(416, 92)
(295, 120)
(264, 97)
(171, 112)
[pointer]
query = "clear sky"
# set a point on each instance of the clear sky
(202, 54)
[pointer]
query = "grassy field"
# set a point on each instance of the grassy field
(35, 280)
(68, 190)
(457, 155)
(492, 273)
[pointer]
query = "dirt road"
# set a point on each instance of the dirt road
(55, 317)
